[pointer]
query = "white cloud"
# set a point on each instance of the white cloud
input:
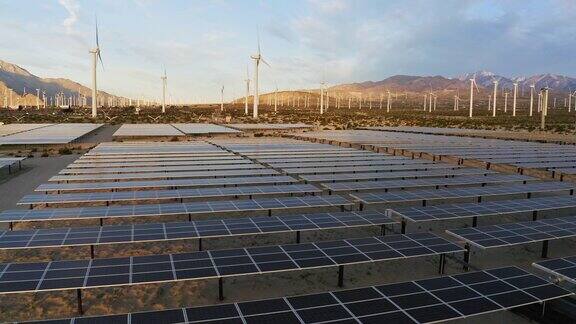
(330, 6)
(73, 9)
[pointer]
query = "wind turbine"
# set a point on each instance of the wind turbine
(322, 97)
(257, 58)
(247, 91)
(531, 98)
(472, 85)
(164, 84)
(95, 57)
(222, 99)
(544, 92)
(514, 100)
(494, 98)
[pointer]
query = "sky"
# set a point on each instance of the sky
(206, 44)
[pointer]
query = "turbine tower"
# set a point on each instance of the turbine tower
(222, 99)
(531, 98)
(247, 92)
(494, 98)
(164, 84)
(514, 99)
(472, 85)
(257, 58)
(95, 57)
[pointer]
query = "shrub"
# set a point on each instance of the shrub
(64, 151)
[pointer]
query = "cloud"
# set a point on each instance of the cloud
(73, 9)
(330, 6)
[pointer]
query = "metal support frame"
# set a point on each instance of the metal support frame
(442, 264)
(382, 230)
(544, 249)
(79, 300)
(220, 288)
(466, 257)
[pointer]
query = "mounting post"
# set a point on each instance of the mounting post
(534, 215)
(340, 276)
(544, 249)
(199, 244)
(442, 264)
(101, 221)
(298, 237)
(91, 251)
(220, 288)
(403, 230)
(382, 230)
(466, 256)
(79, 299)
(475, 221)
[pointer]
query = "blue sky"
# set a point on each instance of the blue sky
(205, 44)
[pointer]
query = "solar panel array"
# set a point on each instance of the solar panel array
(8, 129)
(510, 234)
(230, 177)
(146, 130)
(203, 129)
(192, 208)
(561, 268)
(455, 193)
(9, 162)
(52, 134)
(188, 230)
(385, 185)
(178, 194)
(268, 126)
(489, 208)
(421, 301)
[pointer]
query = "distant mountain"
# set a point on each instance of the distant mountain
(401, 83)
(19, 80)
(557, 83)
(404, 83)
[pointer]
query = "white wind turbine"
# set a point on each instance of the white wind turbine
(222, 99)
(514, 99)
(247, 91)
(532, 86)
(95, 57)
(164, 85)
(472, 85)
(257, 58)
(494, 107)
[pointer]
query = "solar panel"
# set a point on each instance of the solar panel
(61, 237)
(165, 175)
(426, 182)
(144, 130)
(187, 183)
(547, 165)
(176, 162)
(370, 168)
(165, 158)
(428, 300)
(486, 237)
(191, 208)
(561, 268)
(9, 162)
(63, 275)
(394, 175)
(205, 193)
(297, 164)
(490, 208)
(287, 159)
(206, 167)
(201, 129)
(456, 193)
(53, 134)
(8, 129)
(268, 126)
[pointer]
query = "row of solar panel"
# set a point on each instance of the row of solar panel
(429, 300)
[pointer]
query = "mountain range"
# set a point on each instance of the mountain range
(24, 85)
(484, 79)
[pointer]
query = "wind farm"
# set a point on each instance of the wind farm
(333, 161)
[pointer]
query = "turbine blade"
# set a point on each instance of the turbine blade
(258, 37)
(263, 61)
(100, 57)
(96, 23)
